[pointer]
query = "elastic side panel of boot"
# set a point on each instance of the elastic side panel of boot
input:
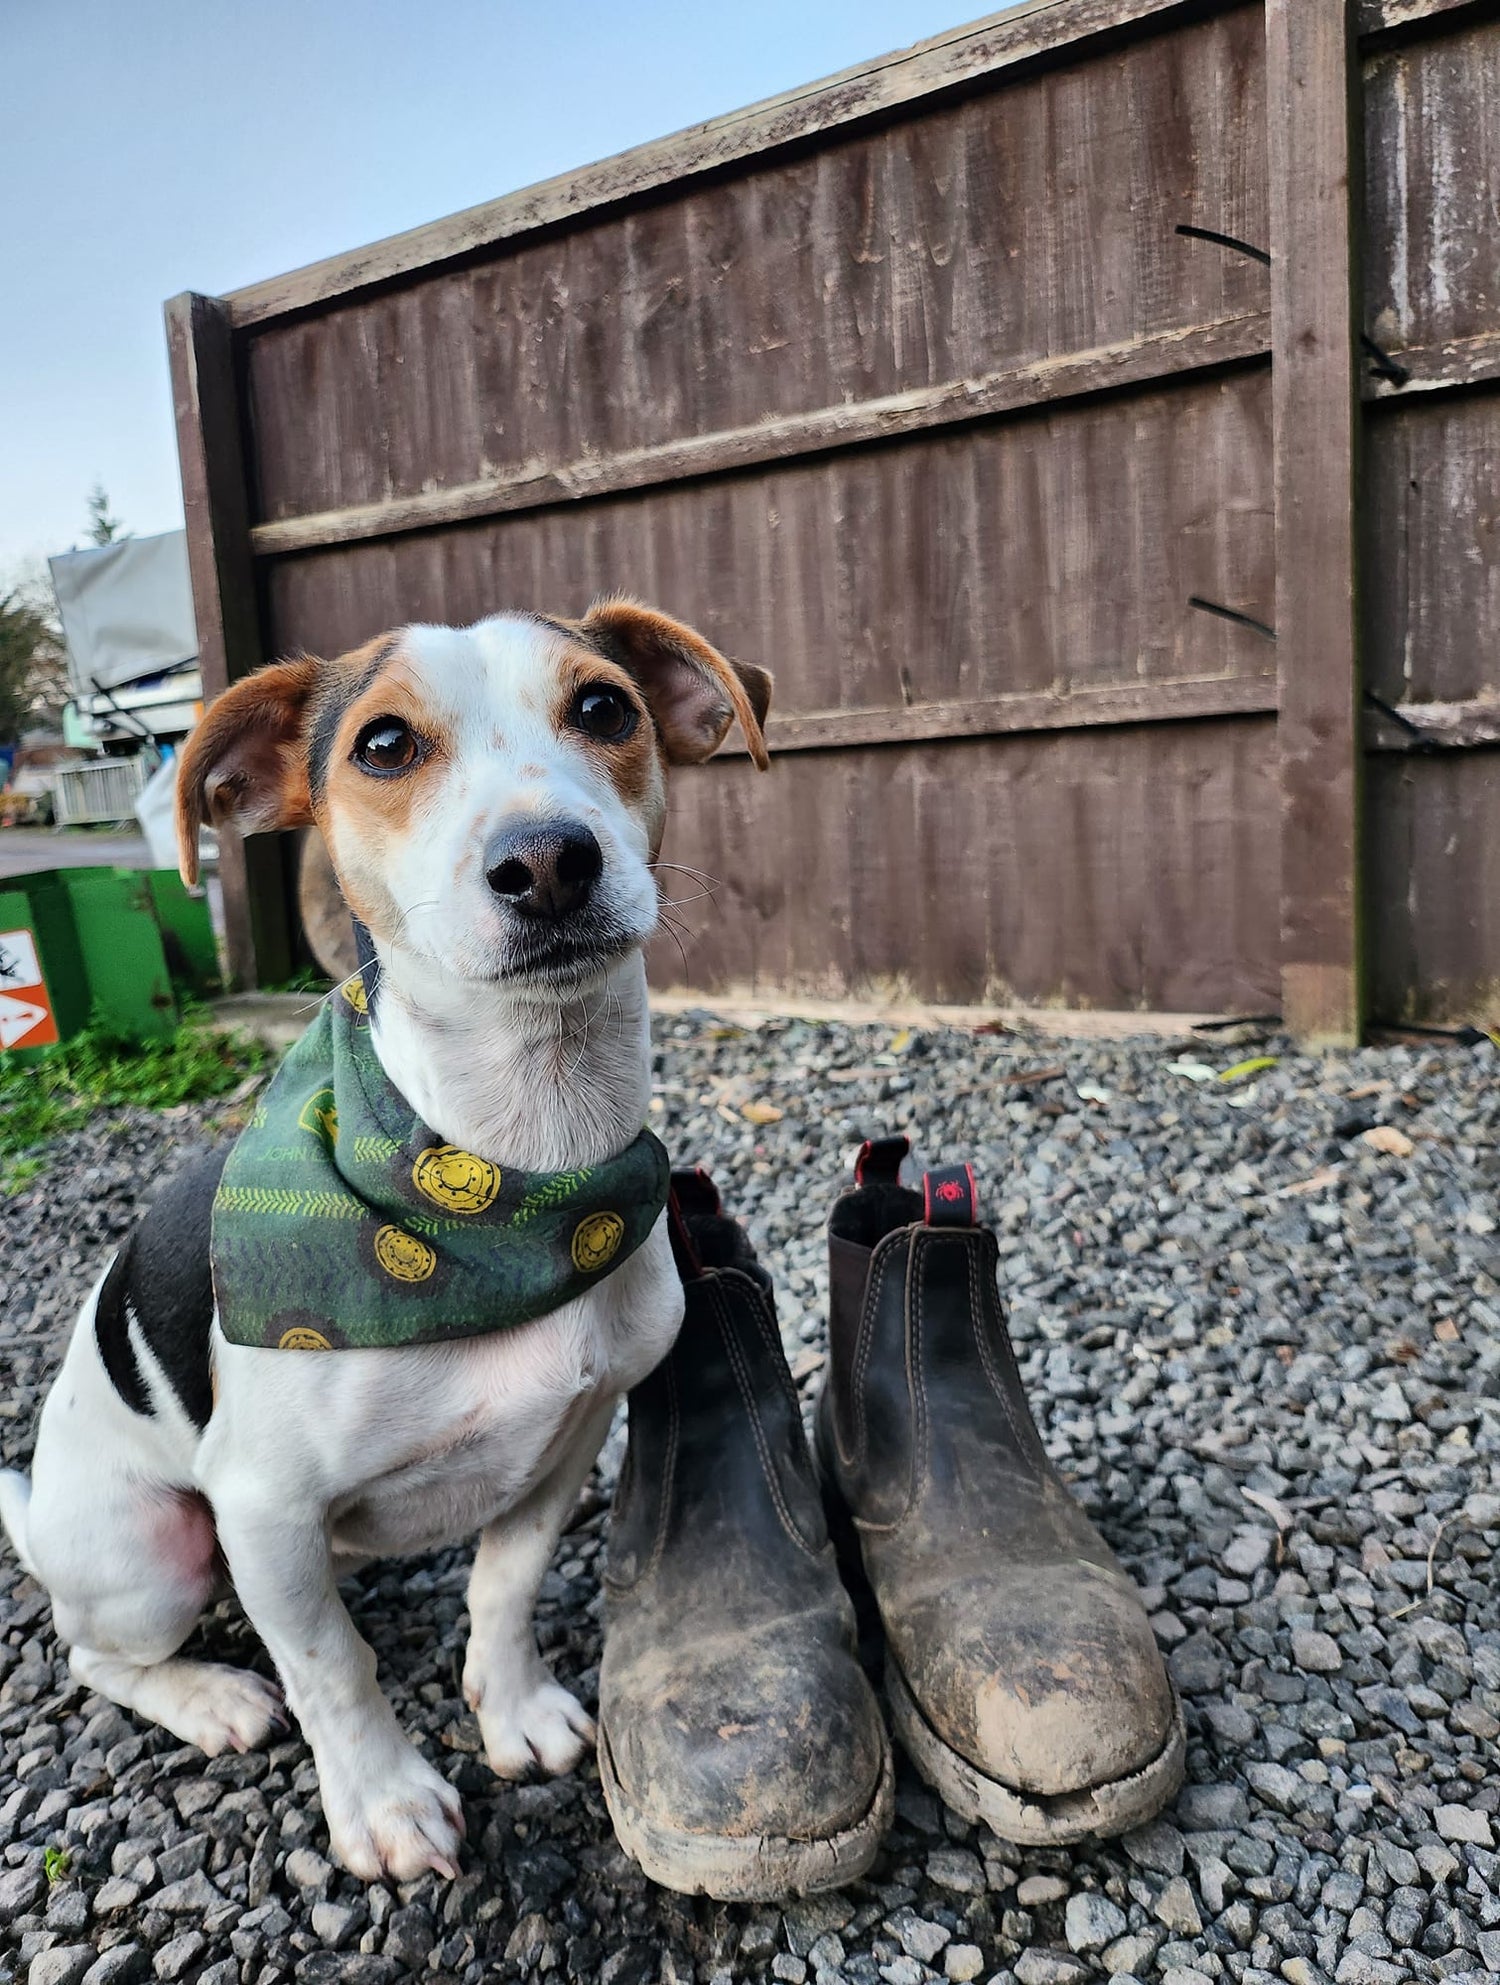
(870, 1212)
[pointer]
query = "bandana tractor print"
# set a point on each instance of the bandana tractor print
(341, 1222)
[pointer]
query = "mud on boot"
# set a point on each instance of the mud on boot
(1023, 1677)
(741, 1748)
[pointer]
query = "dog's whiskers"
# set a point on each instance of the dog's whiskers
(710, 882)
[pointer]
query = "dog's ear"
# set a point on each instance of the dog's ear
(694, 692)
(244, 765)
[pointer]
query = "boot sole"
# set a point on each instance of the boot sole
(1032, 1820)
(746, 1867)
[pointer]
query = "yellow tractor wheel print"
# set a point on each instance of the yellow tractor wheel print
(596, 1240)
(456, 1180)
(403, 1257)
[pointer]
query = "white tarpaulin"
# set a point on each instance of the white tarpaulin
(127, 610)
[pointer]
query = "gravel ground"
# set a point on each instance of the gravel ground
(1261, 1325)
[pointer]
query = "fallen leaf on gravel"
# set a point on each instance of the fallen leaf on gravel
(1278, 1512)
(1195, 1071)
(1244, 1098)
(1251, 1067)
(1385, 1137)
(761, 1113)
(1094, 1092)
(1324, 1176)
(1034, 1075)
(1368, 1089)
(901, 1041)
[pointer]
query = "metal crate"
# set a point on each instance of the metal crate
(105, 790)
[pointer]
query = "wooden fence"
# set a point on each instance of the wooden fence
(1092, 416)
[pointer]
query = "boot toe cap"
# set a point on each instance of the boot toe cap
(755, 1736)
(1051, 1684)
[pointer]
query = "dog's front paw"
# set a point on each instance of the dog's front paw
(406, 1819)
(537, 1727)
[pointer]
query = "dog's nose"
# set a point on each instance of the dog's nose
(544, 869)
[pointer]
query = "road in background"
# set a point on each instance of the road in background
(25, 850)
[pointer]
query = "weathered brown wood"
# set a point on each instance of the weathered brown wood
(1432, 177)
(785, 360)
(1313, 148)
(1451, 367)
(205, 400)
(1132, 703)
(1418, 727)
(1046, 555)
(1432, 558)
(1378, 17)
(1022, 227)
(1048, 29)
(1433, 844)
(1128, 867)
(1140, 361)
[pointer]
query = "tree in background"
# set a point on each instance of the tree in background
(103, 529)
(33, 663)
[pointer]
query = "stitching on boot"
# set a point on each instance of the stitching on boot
(747, 1395)
(668, 1474)
(987, 1360)
(917, 1472)
(921, 1463)
(771, 1338)
(873, 1286)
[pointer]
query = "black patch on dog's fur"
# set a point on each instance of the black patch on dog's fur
(162, 1278)
(369, 964)
(328, 714)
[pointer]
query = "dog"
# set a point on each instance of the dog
(493, 799)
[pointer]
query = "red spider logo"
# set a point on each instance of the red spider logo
(950, 1190)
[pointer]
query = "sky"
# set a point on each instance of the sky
(204, 144)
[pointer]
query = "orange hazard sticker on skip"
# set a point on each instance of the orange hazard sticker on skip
(25, 1009)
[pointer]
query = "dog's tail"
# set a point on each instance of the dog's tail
(15, 1500)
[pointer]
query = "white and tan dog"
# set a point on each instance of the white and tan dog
(493, 800)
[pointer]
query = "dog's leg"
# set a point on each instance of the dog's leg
(389, 1812)
(525, 1717)
(130, 1568)
(110, 1524)
(202, 1702)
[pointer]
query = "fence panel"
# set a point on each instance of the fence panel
(945, 389)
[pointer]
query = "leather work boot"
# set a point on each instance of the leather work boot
(1023, 1676)
(741, 1748)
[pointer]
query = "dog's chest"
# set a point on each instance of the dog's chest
(463, 1434)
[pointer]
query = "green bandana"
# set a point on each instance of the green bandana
(342, 1222)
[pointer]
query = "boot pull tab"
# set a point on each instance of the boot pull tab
(880, 1160)
(949, 1197)
(691, 1192)
(689, 1267)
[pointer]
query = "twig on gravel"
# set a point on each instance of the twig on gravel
(1457, 1517)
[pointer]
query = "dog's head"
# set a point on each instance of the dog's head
(492, 796)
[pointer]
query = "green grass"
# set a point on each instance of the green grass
(306, 978)
(68, 1084)
(56, 1862)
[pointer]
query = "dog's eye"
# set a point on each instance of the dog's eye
(603, 713)
(387, 746)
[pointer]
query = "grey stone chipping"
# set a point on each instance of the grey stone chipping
(1265, 1356)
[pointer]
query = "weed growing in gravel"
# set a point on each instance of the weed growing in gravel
(96, 1070)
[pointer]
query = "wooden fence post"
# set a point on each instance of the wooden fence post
(206, 403)
(1314, 142)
